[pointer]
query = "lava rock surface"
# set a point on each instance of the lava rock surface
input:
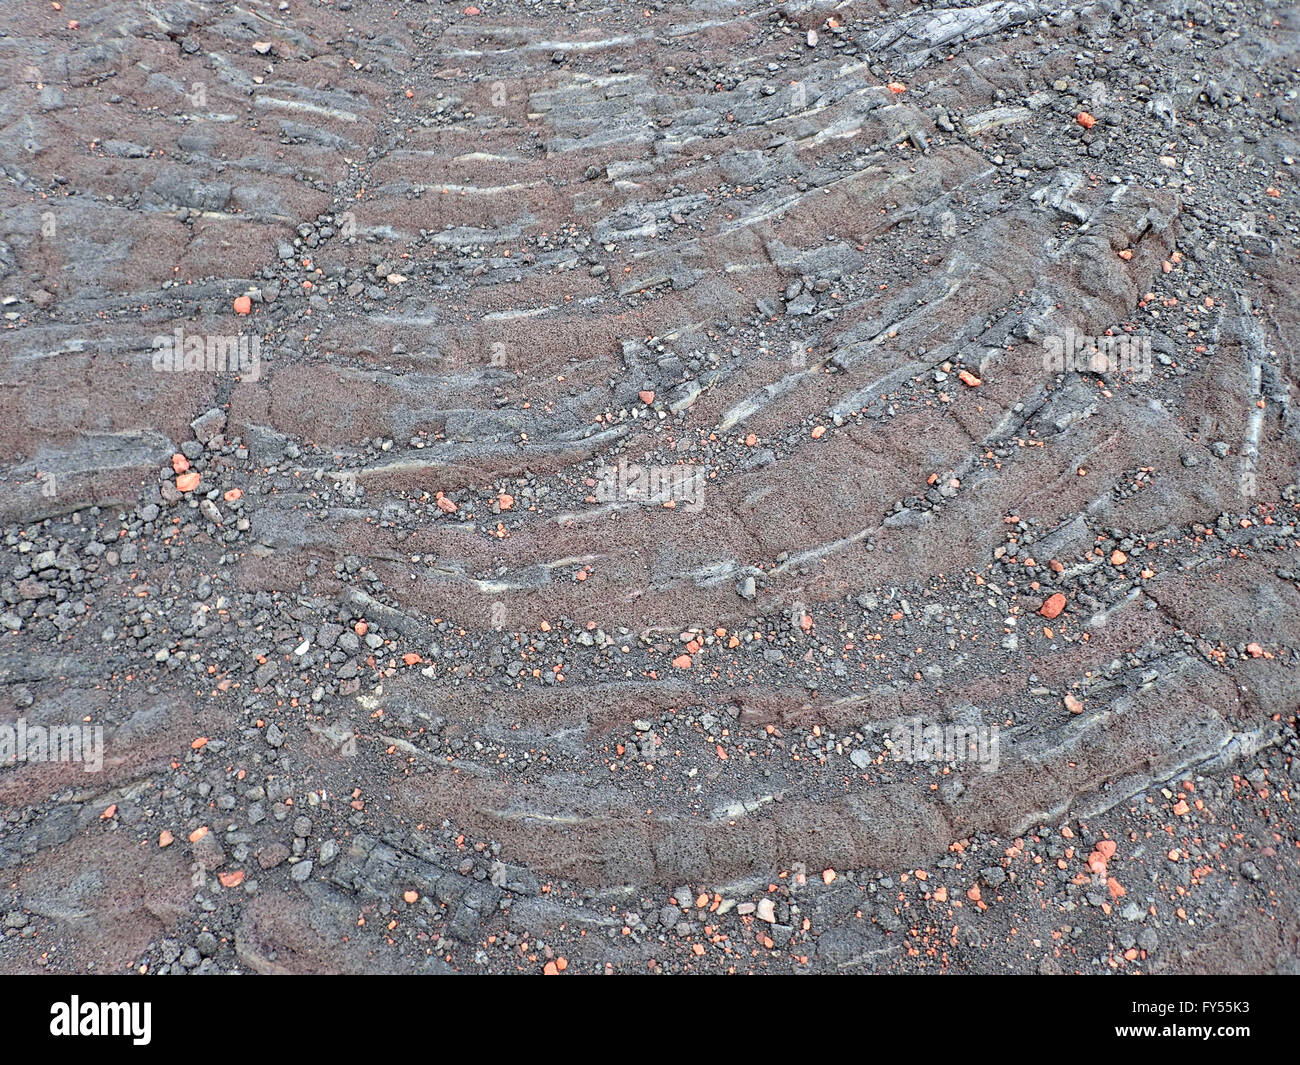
(596, 488)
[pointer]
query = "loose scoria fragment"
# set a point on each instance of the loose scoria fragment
(1053, 606)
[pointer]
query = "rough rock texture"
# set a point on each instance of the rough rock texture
(606, 444)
